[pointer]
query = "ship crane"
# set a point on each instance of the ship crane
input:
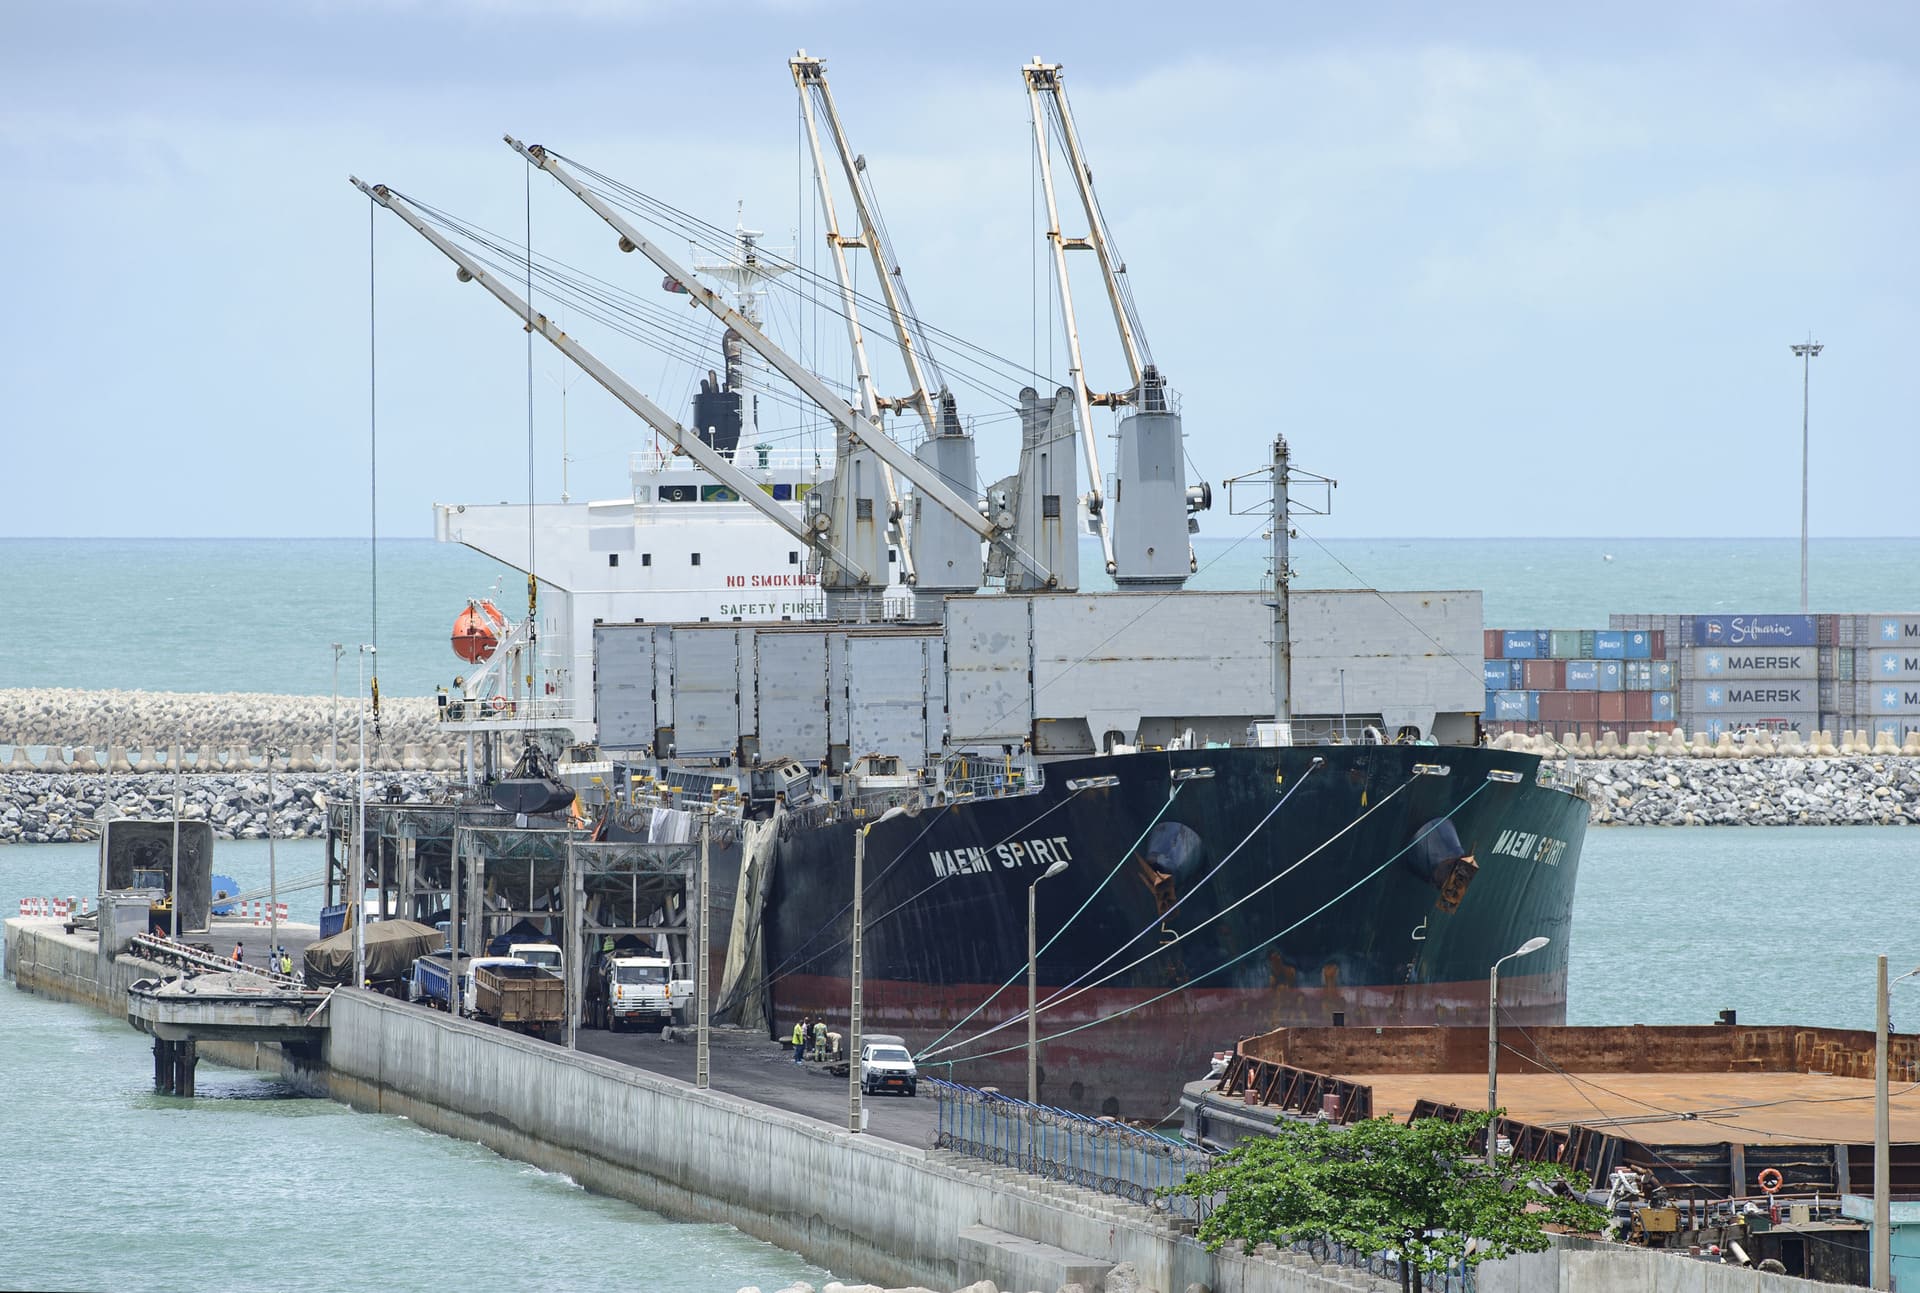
(1149, 488)
(857, 427)
(946, 551)
(689, 442)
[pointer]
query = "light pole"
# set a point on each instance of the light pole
(854, 1091)
(273, 875)
(1033, 976)
(1493, 1046)
(1806, 350)
(358, 892)
(333, 713)
(1882, 1131)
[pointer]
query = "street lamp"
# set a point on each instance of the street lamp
(1033, 974)
(1882, 1131)
(333, 713)
(1806, 350)
(1493, 1046)
(854, 1118)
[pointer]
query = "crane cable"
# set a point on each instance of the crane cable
(934, 1048)
(1257, 947)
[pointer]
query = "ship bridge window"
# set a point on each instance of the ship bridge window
(646, 558)
(679, 493)
(793, 558)
(696, 558)
(613, 558)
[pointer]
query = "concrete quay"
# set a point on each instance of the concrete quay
(884, 1207)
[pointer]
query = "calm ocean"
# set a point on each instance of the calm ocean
(258, 614)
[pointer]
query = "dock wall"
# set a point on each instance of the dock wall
(852, 1203)
(855, 1204)
(42, 958)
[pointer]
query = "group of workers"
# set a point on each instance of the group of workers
(278, 959)
(810, 1036)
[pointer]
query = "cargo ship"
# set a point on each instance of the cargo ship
(1214, 841)
(1379, 894)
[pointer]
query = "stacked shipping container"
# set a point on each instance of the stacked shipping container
(1580, 681)
(1832, 673)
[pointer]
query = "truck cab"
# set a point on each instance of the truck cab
(887, 1065)
(638, 989)
(542, 954)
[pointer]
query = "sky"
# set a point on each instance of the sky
(1500, 270)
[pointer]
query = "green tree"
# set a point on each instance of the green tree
(1420, 1189)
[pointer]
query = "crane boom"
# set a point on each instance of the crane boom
(860, 429)
(1041, 76)
(658, 418)
(1096, 226)
(856, 335)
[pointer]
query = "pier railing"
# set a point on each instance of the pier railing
(1094, 1153)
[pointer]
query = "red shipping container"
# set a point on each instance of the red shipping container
(1544, 675)
(1492, 642)
(1571, 706)
(1658, 641)
(1639, 705)
(1613, 706)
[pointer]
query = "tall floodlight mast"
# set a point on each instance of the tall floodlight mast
(948, 553)
(1149, 479)
(860, 429)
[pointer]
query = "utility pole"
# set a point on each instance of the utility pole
(1806, 350)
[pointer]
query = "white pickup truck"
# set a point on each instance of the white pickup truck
(887, 1065)
(637, 989)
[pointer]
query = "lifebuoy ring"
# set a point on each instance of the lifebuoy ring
(498, 703)
(1771, 1180)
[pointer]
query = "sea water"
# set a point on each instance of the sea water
(261, 615)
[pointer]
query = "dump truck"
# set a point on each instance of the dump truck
(432, 980)
(525, 998)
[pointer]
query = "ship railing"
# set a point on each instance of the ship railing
(1098, 1154)
(964, 779)
(460, 709)
(651, 462)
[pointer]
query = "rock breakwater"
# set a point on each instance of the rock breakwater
(38, 808)
(61, 730)
(1781, 791)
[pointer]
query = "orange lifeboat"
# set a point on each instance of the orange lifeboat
(476, 631)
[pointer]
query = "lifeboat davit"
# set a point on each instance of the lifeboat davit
(476, 631)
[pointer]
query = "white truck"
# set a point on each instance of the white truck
(637, 989)
(887, 1065)
(543, 954)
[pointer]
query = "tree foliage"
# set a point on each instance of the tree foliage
(1419, 1189)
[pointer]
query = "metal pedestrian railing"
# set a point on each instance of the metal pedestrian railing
(1458, 1278)
(1094, 1153)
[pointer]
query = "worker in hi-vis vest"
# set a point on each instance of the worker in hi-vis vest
(799, 1040)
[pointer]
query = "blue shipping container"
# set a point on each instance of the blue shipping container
(1612, 675)
(1639, 645)
(1499, 674)
(1663, 706)
(1583, 675)
(1663, 675)
(1755, 630)
(1524, 644)
(1610, 644)
(1516, 707)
